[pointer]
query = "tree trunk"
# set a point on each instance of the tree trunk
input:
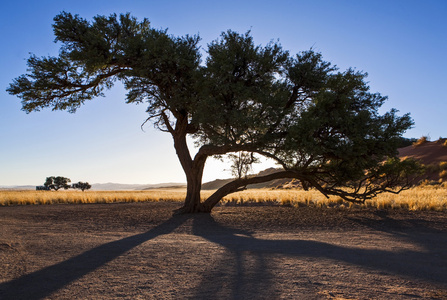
(193, 187)
(194, 171)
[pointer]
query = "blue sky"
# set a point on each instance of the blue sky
(402, 44)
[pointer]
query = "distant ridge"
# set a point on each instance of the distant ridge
(428, 153)
(218, 183)
(107, 186)
(433, 155)
(122, 187)
(17, 187)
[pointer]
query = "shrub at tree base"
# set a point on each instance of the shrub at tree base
(321, 125)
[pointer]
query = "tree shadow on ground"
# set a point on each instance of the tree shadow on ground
(243, 278)
(42, 283)
(246, 269)
(238, 275)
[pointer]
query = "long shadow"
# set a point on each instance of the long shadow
(429, 235)
(429, 264)
(238, 274)
(245, 270)
(42, 283)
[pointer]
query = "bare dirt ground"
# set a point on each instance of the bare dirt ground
(139, 251)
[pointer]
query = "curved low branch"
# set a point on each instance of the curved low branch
(237, 184)
(366, 189)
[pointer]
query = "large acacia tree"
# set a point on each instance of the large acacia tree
(321, 125)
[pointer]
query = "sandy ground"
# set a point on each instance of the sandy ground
(139, 251)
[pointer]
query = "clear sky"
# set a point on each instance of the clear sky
(402, 44)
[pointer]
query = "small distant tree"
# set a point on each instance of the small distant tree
(241, 163)
(81, 186)
(57, 182)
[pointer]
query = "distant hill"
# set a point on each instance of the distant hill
(427, 153)
(120, 186)
(108, 186)
(432, 154)
(215, 184)
(17, 187)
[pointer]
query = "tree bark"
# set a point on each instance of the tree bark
(194, 171)
(193, 187)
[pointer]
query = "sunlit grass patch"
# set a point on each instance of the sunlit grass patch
(419, 198)
(422, 140)
(426, 197)
(77, 197)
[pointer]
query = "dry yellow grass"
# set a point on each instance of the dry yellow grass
(72, 197)
(420, 198)
(422, 140)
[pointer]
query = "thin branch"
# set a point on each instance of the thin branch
(167, 123)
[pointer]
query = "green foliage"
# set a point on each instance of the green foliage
(81, 186)
(320, 124)
(57, 182)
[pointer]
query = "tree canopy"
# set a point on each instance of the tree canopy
(81, 185)
(320, 124)
(57, 182)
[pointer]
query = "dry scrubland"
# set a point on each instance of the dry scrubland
(419, 198)
(140, 251)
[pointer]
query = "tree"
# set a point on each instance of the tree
(321, 125)
(56, 183)
(241, 163)
(81, 185)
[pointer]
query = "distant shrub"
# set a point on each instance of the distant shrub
(443, 165)
(443, 174)
(422, 140)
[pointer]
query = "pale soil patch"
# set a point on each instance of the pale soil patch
(138, 251)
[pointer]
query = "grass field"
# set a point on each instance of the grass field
(419, 198)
